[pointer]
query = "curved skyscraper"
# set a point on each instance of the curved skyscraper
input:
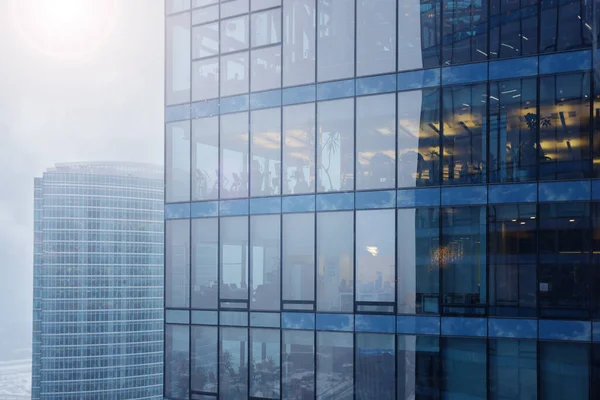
(98, 282)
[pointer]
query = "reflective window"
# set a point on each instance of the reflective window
(234, 7)
(513, 131)
(205, 251)
(298, 364)
(419, 28)
(464, 144)
(233, 363)
(265, 261)
(376, 37)
(177, 68)
(375, 142)
(178, 161)
(234, 34)
(335, 151)
(462, 260)
(564, 370)
(565, 126)
(205, 79)
(265, 129)
(512, 369)
(335, 366)
(419, 367)
(234, 258)
(299, 47)
(375, 366)
(174, 6)
(595, 278)
(262, 4)
(464, 31)
(266, 27)
(205, 14)
(375, 256)
(234, 74)
(266, 68)
(204, 359)
(298, 257)
(419, 136)
(564, 245)
(464, 369)
(512, 246)
(418, 266)
(335, 58)
(265, 363)
(335, 260)
(205, 40)
(234, 155)
(513, 28)
(596, 128)
(299, 149)
(565, 25)
(177, 361)
(205, 158)
(177, 263)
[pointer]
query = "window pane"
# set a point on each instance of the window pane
(234, 258)
(564, 370)
(266, 68)
(462, 259)
(464, 369)
(205, 40)
(266, 152)
(266, 27)
(298, 257)
(205, 251)
(299, 149)
(465, 31)
(204, 358)
(205, 158)
(234, 7)
(177, 361)
(265, 363)
(262, 4)
(419, 367)
(375, 366)
(178, 59)
(375, 255)
(335, 59)
(234, 155)
(299, 42)
(514, 27)
(512, 260)
(205, 79)
(265, 261)
(335, 360)
(178, 161)
(336, 145)
(177, 257)
(418, 266)
(174, 6)
(565, 25)
(513, 131)
(376, 37)
(234, 34)
(234, 74)
(465, 146)
(565, 126)
(513, 369)
(335, 256)
(375, 142)
(298, 372)
(419, 132)
(419, 30)
(233, 363)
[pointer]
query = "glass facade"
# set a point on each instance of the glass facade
(98, 282)
(389, 199)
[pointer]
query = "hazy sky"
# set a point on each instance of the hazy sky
(76, 84)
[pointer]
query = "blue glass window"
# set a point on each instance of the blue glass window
(335, 365)
(565, 25)
(419, 39)
(464, 369)
(512, 369)
(419, 367)
(298, 353)
(513, 28)
(465, 32)
(375, 366)
(513, 68)
(335, 90)
(564, 370)
(177, 358)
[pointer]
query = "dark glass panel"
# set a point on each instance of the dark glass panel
(565, 25)
(375, 366)
(419, 367)
(513, 28)
(464, 369)
(564, 370)
(465, 31)
(512, 369)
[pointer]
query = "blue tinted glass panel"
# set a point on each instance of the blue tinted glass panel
(265, 205)
(174, 211)
(234, 318)
(418, 79)
(512, 369)
(266, 320)
(205, 209)
(265, 99)
(418, 325)
(526, 193)
(375, 323)
(298, 203)
(564, 370)
(379, 199)
(596, 189)
(565, 330)
(205, 108)
(234, 104)
(464, 369)
(457, 326)
(177, 113)
(376, 84)
(177, 317)
(297, 320)
(464, 74)
(512, 328)
(375, 368)
(564, 191)
(464, 195)
(205, 317)
(300, 94)
(335, 201)
(335, 322)
(418, 198)
(177, 352)
(513, 68)
(566, 62)
(335, 90)
(234, 207)
(596, 331)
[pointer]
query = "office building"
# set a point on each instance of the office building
(381, 199)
